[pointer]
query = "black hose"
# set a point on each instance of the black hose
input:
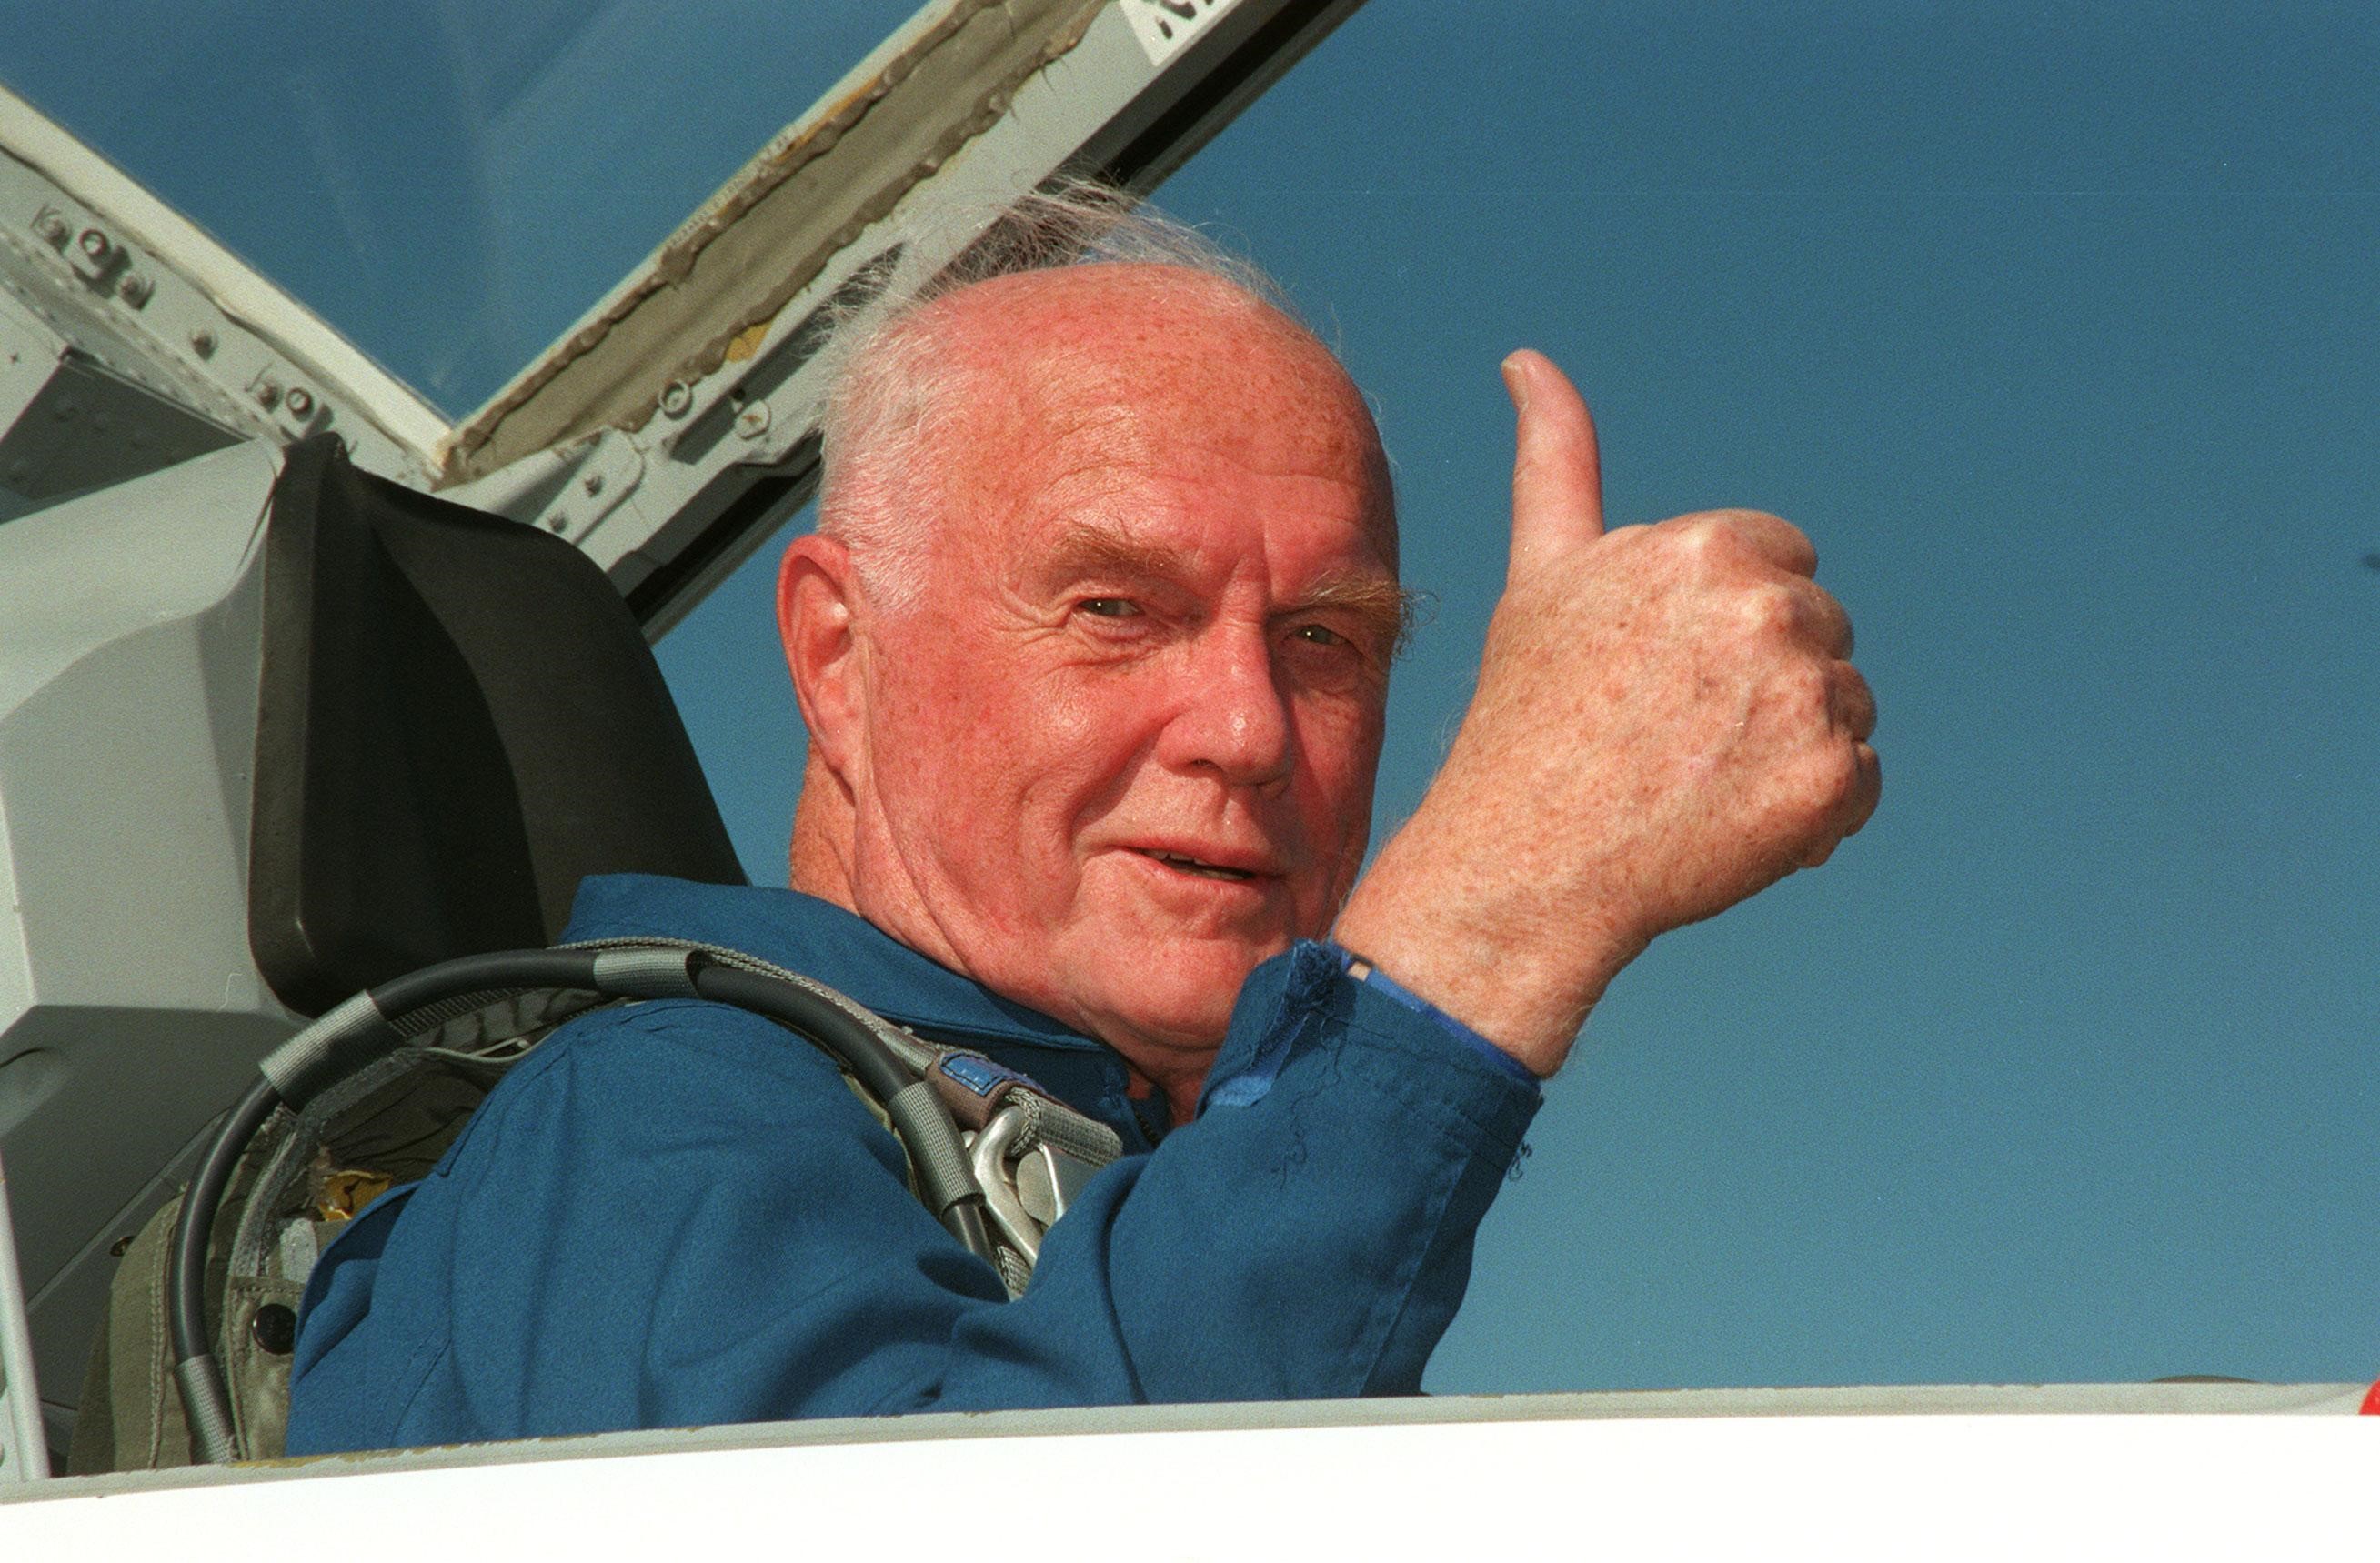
(204, 1395)
(508, 970)
(878, 1069)
(817, 1018)
(966, 1221)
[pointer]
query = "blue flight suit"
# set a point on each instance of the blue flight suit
(676, 1213)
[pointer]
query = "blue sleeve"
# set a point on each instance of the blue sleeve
(677, 1213)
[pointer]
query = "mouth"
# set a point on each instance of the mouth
(1186, 864)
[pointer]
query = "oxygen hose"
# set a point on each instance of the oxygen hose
(379, 1021)
(945, 1176)
(206, 1397)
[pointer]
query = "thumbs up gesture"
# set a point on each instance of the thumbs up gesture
(1667, 722)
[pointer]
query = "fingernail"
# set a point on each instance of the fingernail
(1516, 383)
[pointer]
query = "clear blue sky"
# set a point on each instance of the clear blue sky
(2056, 332)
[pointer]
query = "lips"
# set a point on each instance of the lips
(1212, 861)
(1194, 866)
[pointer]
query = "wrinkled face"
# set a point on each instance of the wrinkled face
(1121, 747)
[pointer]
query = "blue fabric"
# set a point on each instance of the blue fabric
(676, 1213)
(1375, 977)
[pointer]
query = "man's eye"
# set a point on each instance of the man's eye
(1319, 635)
(1111, 607)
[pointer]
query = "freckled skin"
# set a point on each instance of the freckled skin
(1003, 758)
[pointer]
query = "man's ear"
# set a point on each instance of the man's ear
(818, 606)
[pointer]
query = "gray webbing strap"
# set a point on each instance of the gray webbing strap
(944, 1179)
(333, 1048)
(1051, 1122)
(649, 972)
(210, 1431)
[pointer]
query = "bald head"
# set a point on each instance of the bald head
(941, 412)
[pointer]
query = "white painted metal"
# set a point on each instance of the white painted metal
(159, 301)
(1395, 1479)
(131, 1012)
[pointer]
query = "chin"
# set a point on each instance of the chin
(1185, 993)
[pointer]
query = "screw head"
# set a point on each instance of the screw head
(135, 289)
(50, 227)
(753, 422)
(592, 483)
(676, 397)
(268, 395)
(202, 342)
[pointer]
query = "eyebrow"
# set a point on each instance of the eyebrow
(1388, 611)
(1085, 549)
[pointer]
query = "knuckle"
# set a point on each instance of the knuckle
(1835, 618)
(1768, 610)
(1699, 552)
(1693, 532)
(1709, 532)
(1825, 778)
(1861, 702)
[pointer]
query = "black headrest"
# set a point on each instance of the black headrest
(459, 719)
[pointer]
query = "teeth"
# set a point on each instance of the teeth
(1209, 869)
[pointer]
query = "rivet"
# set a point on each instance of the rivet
(676, 397)
(50, 227)
(274, 1328)
(202, 342)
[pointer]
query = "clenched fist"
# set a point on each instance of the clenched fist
(1667, 722)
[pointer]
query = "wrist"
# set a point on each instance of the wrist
(1363, 970)
(1528, 997)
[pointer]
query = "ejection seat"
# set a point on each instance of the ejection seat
(459, 719)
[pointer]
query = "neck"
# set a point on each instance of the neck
(819, 862)
(825, 831)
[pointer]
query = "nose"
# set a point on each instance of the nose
(1233, 719)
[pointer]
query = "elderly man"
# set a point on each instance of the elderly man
(1093, 646)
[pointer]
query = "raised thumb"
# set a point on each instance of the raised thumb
(1556, 471)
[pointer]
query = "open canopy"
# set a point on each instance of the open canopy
(506, 265)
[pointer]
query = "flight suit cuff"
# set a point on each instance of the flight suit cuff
(1304, 1003)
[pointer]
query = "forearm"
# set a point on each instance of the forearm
(1486, 946)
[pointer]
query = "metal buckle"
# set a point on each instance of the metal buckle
(1027, 1192)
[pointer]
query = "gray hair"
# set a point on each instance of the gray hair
(888, 375)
